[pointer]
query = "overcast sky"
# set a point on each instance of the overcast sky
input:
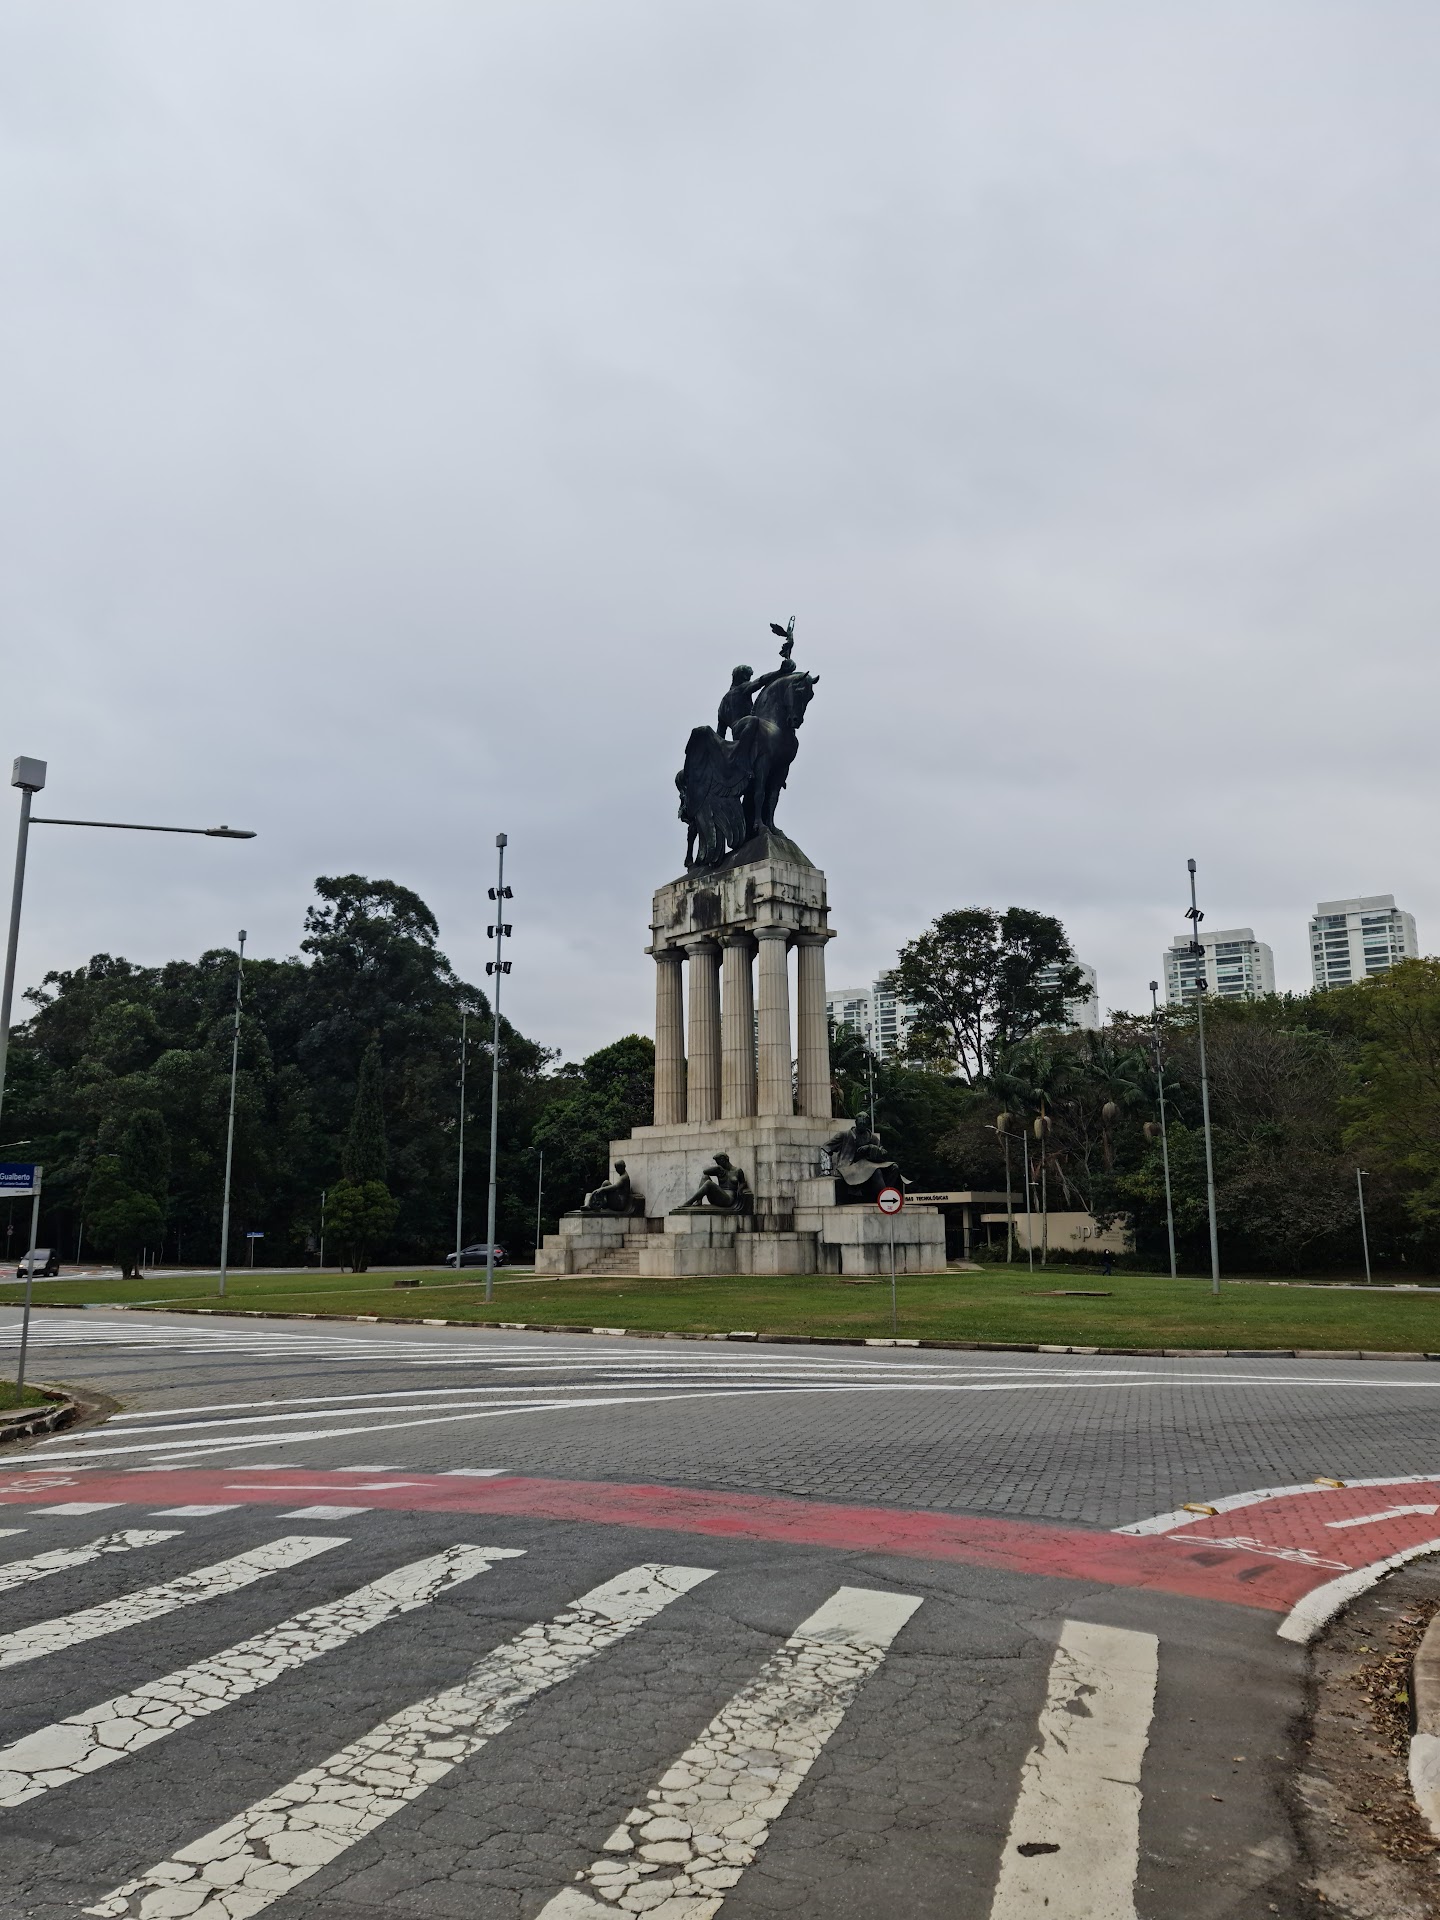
(412, 411)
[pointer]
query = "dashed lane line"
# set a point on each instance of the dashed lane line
(1074, 1840)
(245, 1865)
(714, 1807)
(83, 1742)
(17, 1573)
(151, 1603)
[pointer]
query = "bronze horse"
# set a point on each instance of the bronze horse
(729, 789)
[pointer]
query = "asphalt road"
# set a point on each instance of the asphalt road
(333, 1620)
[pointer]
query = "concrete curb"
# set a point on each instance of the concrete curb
(1425, 1741)
(26, 1423)
(766, 1339)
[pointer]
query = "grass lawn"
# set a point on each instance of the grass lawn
(998, 1303)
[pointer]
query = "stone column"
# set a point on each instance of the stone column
(703, 1102)
(669, 1038)
(737, 1100)
(813, 1029)
(773, 997)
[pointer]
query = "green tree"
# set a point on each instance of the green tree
(358, 1215)
(1391, 1105)
(974, 978)
(123, 1219)
(365, 1157)
(599, 1101)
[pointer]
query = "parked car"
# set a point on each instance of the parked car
(475, 1256)
(42, 1263)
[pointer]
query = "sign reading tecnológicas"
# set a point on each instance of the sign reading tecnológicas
(16, 1178)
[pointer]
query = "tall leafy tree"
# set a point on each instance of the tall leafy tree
(974, 978)
(365, 1156)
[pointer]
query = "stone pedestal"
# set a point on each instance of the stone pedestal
(738, 1096)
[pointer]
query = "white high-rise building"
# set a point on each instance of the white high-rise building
(1235, 966)
(876, 1013)
(1080, 1012)
(1356, 939)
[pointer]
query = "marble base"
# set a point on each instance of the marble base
(778, 1153)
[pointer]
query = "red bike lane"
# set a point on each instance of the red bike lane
(1296, 1552)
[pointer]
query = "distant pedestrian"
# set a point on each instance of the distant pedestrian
(1107, 1265)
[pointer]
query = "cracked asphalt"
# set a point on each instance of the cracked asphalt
(495, 1714)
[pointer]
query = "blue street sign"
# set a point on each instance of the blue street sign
(16, 1178)
(254, 1236)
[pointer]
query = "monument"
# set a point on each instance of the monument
(743, 1170)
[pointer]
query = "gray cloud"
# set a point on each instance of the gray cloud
(413, 411)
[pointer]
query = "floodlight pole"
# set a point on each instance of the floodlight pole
(1364, 1233)
(460, 1155)
(499, 893)
(1164, 1131)
(230, 1129)
(1195, 916)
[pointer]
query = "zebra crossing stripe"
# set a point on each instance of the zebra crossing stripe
(120, 1726)
(713, 1809)
(1074, 1840)
(151, 1603)
(266, 1851)
(56, 1559)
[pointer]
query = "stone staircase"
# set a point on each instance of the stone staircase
(605, 1262)
(624, 1261)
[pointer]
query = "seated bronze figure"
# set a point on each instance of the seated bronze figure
(723, 1189)
(614, 1196)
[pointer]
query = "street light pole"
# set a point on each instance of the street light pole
(29, 776)
(1164, 1130)
(1195, 916)
(460, 1156)
(1364, 1234)
(499, 893)
(230, 1129)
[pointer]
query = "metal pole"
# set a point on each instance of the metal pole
(7, 993)
(29, 1279)
(230, 1129)
(894, 1325)
(1029, 1229)
(1164, 1132)
(1364, 1235)
(1041, 1128)
(497, 968)
(1009, 1206)
(1195, 916)
(539, 1196)
(460, 1155)
(322, 1228)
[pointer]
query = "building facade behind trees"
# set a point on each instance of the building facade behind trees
(1356, 939)
(1232, 962)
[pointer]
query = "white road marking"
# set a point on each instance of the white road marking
(322, 1513)
(274, 1845)
(5, 1532)
(1310, 1613)
(196, 1512)
(714, 1807)
(1227, 1503)
(80, 1506)
(1369, 1519)
(151, 1603)
(17, 1572)
(1074, 1840)
(83, 1742)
